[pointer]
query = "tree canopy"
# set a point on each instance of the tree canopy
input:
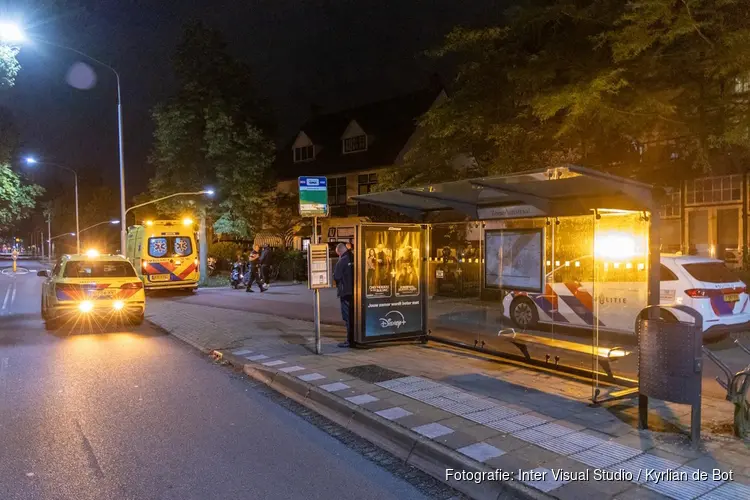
(212, 132)
(638, 87)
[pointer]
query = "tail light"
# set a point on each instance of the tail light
(136, 285)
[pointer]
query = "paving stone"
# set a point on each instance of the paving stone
(481, 451)
(583, 439)
(291, 369)
(554, 430)
(362, 399)
(531, 436)
(276, 362)
(728, 491)
(490, 415)
(432, 430)
(528, 420)
(547, 484)
(505, 426)
(393, 413)
(606, 455)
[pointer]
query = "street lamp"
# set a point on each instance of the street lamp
(99, 224)
(13, 33)
(10, 32)
(30, 160)
(208, 192)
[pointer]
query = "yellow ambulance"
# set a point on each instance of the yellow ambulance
(165, 254)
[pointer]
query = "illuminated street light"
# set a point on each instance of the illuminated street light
(10, 32)
(30, 160)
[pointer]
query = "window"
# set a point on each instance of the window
(711, 272)
(714, 190)
(99, 269)
(174, 246)
(665, 274)
(305, 153)
(366, 183)
(354, 144)
(672, 204)
(337, 191)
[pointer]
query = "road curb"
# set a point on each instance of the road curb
(414, 449)
(188, 341)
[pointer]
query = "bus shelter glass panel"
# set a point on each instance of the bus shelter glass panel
(621, 268)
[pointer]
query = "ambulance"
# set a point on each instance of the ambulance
(165, 254)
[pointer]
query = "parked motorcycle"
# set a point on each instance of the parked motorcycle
(237, 276)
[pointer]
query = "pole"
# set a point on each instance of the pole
(203, 249)
(78, 235)
(124, 222)
(316, 296)
(49, 235)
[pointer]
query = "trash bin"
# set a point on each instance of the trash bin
(670, 356)
(670, 361)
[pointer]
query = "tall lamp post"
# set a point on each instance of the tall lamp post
(30, 160)
(12, 33)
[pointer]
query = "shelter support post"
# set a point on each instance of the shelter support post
(654, 283)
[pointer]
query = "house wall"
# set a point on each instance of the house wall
(708, 216)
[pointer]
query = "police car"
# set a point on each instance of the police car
(703, 284)
(92, 286)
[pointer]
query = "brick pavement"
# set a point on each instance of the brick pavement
(497, 414)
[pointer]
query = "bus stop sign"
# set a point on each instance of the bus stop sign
(313, 196)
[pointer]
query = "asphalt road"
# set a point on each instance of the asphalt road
(295, 302)
(140, 415)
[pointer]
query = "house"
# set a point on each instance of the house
(350, 148)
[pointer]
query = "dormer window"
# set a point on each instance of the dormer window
(354, 144)
(304, 153)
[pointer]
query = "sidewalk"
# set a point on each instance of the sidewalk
(438, 407)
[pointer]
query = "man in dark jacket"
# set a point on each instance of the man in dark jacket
(343, 274)
(254, 270)
(265, 264)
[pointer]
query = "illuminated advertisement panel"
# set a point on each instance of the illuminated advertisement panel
(392, 284)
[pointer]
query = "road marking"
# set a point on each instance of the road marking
(7, 296)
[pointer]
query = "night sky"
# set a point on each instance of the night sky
(334, 53)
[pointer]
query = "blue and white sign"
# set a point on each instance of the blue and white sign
(313, 196)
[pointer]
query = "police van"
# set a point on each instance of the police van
(164, 253)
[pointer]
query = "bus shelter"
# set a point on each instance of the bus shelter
(553, 266)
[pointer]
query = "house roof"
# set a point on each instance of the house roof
(388, 124)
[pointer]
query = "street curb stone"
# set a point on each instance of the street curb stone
(422, 453)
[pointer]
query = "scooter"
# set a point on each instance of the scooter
(237, 276)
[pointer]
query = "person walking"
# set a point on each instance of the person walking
(265, 265)
(343, 275)
(254, 270)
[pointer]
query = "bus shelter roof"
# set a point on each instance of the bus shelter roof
(554, 192)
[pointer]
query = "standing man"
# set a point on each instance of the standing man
(265, 264)
(343, 274)
(254, 270)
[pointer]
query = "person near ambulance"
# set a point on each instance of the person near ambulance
(255, 270)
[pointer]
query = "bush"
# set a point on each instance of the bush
(224, 251)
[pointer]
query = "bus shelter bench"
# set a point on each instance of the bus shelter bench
(604, 355)
(737, 386)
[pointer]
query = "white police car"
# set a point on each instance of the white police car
(614, 302)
